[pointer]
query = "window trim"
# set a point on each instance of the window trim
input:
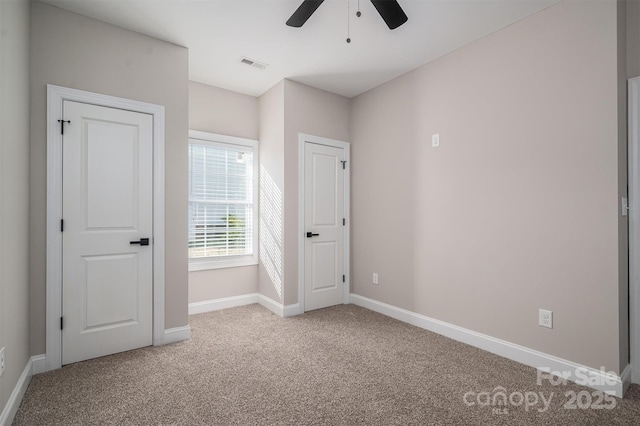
(214, 139)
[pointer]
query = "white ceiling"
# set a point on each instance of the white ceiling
(219, 32)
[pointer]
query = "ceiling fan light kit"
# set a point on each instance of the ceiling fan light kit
(389, 10)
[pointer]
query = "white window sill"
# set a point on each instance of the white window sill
(209, 263)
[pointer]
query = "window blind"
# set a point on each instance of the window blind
(220, 200)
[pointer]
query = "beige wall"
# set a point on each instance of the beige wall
(271, 131)
(314, 112)
(518, 209)
(633, 38)
(14, 191)
(220, 111)
(78, 52)
(225, 282)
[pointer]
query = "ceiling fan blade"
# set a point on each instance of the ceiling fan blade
(391, 12)
(304, 12)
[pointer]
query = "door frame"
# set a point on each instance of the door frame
(634, 227)
(56, 95)
(302, 140)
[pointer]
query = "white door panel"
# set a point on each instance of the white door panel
(107, 203)
(324, 214)
(324, 260)
(111, 166)
(324, 192)
(111, 290)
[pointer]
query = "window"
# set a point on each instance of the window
(223, 186)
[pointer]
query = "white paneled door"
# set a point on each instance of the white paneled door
(107, 231)
(324, 215)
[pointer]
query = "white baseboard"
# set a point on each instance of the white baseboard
(272, 305)
(246, 299)
(224, 303)
(39, 364)
(278, 308)
(587, 376)
(291, 310)
(11, 408)
(177, 334)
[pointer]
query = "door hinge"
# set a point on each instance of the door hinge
(344, 164)
(344, 221)
(61, 225)
(343, 278)
(62, 125)
(61, 323)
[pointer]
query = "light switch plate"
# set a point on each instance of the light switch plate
(435, 140)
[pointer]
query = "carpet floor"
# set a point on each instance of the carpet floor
(343, 365)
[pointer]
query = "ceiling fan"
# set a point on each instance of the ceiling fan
(389, 10)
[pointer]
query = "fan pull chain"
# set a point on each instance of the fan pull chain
(358, 14)
(348, 21)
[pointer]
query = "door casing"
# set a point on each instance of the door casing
(302, 140)
(55, 97)
(634, 227)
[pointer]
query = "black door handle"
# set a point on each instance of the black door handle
(309, 235)
(142, 242)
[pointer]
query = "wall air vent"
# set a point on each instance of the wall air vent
(252, 63)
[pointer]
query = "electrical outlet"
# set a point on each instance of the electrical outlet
(1, 361)
(375, 278)
(545, 318)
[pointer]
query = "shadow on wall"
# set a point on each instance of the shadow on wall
(271, 229)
